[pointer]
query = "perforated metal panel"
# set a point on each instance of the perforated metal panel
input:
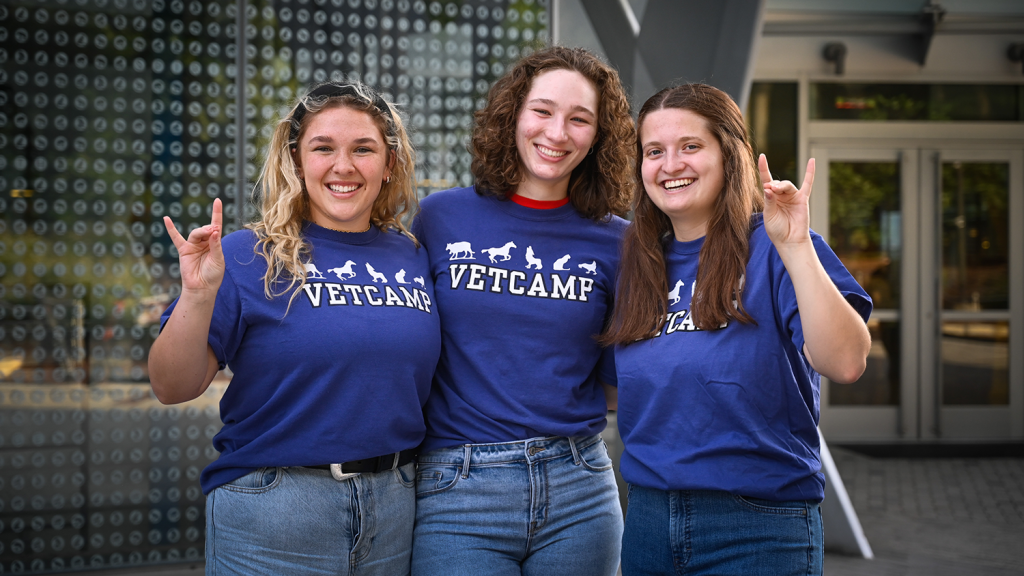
(114, 113)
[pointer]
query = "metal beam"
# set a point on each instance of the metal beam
(711, 41)
(613, 22)
(702, 41)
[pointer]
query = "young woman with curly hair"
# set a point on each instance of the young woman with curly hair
(513, 477)
(725, 317)
(321, 312)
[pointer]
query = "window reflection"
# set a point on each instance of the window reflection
(934, 102)
(975, 363)
(975, 236)
(865, 226)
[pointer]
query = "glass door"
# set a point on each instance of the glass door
(936, 237)
(976, 300)
(866, 214)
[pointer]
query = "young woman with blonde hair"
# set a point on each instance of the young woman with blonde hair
(321, 312)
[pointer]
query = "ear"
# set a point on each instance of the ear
(297, 163)
(392, 160)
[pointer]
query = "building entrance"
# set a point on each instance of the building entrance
(935, 234)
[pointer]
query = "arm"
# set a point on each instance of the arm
(836, 340)
(181, 362)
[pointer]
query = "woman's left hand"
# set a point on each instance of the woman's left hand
(786, 212)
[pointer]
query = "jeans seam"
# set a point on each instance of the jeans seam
(436, 490)
(776, 510)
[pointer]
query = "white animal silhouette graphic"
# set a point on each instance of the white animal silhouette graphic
(531, 261)
(590, 267)
(560, 263)
(500, 253)
(400, 277)
(377, 276)
(345, 272)
(419, 280)
(460, 251)
(311, 271)
(674, 294)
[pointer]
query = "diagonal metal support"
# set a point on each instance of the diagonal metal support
(711, 41)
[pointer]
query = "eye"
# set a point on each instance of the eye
(364, 150)
(322, 149)
(652, 152)
(691, 147)
(542, 111)
(581, 120)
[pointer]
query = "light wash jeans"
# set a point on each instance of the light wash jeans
(545, 506)
(303, 521)
(703, 532)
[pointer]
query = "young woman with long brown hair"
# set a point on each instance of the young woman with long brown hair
(725, 318)
(514, 478)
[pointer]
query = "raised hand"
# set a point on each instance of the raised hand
(786, 212)
(200, 257)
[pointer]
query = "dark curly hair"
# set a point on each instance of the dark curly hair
(604, 181)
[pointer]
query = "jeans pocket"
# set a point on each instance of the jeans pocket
(406, 475)
(595, 457)
(436, 478)
(256, 482)
(786, 508)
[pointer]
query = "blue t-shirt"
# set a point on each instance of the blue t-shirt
(522, 293)
(733, 409)
(344, 375)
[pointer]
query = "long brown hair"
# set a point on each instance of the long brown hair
(603, 183)
(642, 296)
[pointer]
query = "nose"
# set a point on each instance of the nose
(555, 131)
(343, 163)
(674, 162)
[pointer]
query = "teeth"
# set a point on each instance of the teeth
(679, 183)
(549, 152)
(342, 189)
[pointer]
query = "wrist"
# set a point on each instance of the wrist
(198, 296)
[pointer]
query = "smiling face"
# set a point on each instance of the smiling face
(556, 127)
(682, 169)
(343, 161)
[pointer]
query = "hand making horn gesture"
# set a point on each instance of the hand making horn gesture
(200, 257)
(786, 212)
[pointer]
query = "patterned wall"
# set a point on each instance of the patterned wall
(114, 113)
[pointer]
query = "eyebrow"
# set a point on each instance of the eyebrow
(677, 140)
(329, 140)
(552, 103)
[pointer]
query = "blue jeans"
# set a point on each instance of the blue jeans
(303, 521)
(706, 532)
(542, 506)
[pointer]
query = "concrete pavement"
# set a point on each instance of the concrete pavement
(934, 516)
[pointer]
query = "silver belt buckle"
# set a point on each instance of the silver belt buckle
(339, 475)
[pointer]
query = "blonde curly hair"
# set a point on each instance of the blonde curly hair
(285, 203)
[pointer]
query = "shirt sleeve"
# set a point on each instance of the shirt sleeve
(606, 367)
(841, 277)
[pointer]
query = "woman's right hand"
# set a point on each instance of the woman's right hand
(201, 257)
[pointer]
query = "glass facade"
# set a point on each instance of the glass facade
(114, 113)
(933, 102)
(772, 121)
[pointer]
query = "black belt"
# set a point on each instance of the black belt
(373, 465)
